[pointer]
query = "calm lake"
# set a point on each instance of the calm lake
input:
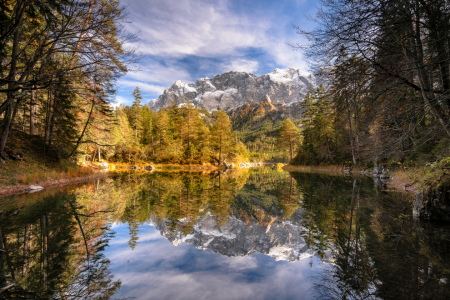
(243, 234)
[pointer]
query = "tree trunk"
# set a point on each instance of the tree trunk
(153, 148)
(85, 126)
(47, 121)
(290, 148)
(13, 118)
(416, 46)
(52, 123)
(6, 128)
(33, 94)
(351, 131)
(220, 150)
(11, 85)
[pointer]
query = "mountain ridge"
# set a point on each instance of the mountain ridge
(230, 90)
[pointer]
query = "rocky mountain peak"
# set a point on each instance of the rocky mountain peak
(231, 90)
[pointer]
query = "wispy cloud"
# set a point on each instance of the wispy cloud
(185, 40)
(146, 87)
(241, 65)
(174, 28)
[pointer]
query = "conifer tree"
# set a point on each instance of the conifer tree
(221, 137)
(122, 134)
(189, 119)
(148, 127)
(162, 129)
(136, 112)
(318, 128)
(288, 137)
(202, 140)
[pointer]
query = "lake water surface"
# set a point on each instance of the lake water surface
(243, 234)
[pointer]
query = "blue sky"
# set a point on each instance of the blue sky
(190, 39)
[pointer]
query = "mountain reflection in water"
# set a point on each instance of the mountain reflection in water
(266, 234)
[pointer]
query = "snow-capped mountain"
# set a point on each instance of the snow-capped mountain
(233, 89)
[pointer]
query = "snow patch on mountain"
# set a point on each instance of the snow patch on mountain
(232, 89)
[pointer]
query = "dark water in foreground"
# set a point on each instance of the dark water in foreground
(247, 234)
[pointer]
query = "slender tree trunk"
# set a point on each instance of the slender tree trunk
(85, 126)
(356, 129)
(13, 118)
(153, 148)
(6, 128)
(351, 131)
(220, 150)
(99, 154)
(290, 148)
(416, 47)
(33, 95)
(47, 120)
(189, 130)
(52, 123)
(328, 147)
(11, 85)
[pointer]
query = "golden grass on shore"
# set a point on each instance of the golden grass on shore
(15, 173)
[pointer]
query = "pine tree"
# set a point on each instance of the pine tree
(288, 137)
(189, 119)
(162, 129)
(318, 128)
(122, 134)
(136, 113)
(148, 127)
(221, 137)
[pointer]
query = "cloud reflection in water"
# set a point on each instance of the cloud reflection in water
(159, 270)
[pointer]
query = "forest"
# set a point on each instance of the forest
(60, 61)
(177, 134)
(388, 100)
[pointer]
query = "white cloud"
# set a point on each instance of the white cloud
(172, 30)
(241, 65)
(156, 73)
(192, 27)
(143, 86)
(117, 101)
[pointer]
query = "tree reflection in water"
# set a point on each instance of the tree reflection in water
(54, 249)
(379, 251)
(366, 236)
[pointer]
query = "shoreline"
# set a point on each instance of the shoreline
(22, 189)
(53, 183)
(394, 181)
